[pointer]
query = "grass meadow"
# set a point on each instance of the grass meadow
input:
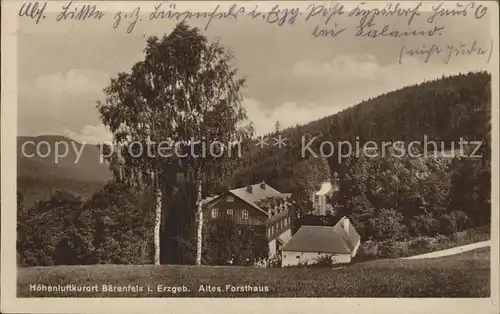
(462, 275)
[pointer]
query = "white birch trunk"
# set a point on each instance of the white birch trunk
(157, 220)
(199, 212)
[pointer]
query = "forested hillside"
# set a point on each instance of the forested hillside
(444, 109)
(387, 198)
(391, 197)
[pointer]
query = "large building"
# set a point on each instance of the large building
(310, 243)
(257, 205)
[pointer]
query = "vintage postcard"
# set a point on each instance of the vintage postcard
(249, 157)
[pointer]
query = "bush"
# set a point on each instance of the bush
(453, 222)
(421, 245)
(387, 224)
(424, 225)
(323, 261)
(272, 262)
(367, 250)
(393, 249)
(111, 227)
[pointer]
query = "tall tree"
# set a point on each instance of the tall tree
(186, 94)
(396, 186)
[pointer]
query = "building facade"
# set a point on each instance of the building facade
(255, 205)
(340, 243)
(320, 199)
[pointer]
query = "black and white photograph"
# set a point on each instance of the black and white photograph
(285, 155)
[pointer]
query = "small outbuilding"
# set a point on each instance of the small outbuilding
(310, 243)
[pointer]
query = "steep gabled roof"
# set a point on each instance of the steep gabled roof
(317, 239)
(258, 194)
(352, 238)
(324, 239)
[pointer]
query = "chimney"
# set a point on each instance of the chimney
(346, 224)
(263, 185)
(249, 188)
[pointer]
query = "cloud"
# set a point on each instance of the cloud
(73, 81)
(319, 89)
(90, 134)
(288, 114)
(347, 66)
(61, 100)
(291, 76)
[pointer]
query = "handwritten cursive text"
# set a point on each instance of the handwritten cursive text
(446, 53)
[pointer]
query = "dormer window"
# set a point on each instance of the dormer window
(229, 199)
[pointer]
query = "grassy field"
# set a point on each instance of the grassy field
(464, 275)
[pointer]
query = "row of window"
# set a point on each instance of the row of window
(229, 212)
(279, 225)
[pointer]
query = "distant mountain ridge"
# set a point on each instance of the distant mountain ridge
(39, 175)
(82, 163)
(445, 109)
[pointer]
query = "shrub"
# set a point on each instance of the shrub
(323, 261)
(424, 225)
(272, 262)
(387, 224)
(367, 250)
(453, 222)
(421, 245)
(393, 249)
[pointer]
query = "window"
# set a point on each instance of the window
(269, 232)
(215, 213)
(272, 229)
(244, 214)
(229, 212)
(229, 199)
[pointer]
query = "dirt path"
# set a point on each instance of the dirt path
(452, 251)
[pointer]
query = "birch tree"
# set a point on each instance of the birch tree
(166, 113)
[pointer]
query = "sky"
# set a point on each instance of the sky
(292, 76)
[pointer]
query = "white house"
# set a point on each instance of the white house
(320, 197)
(340, 242)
